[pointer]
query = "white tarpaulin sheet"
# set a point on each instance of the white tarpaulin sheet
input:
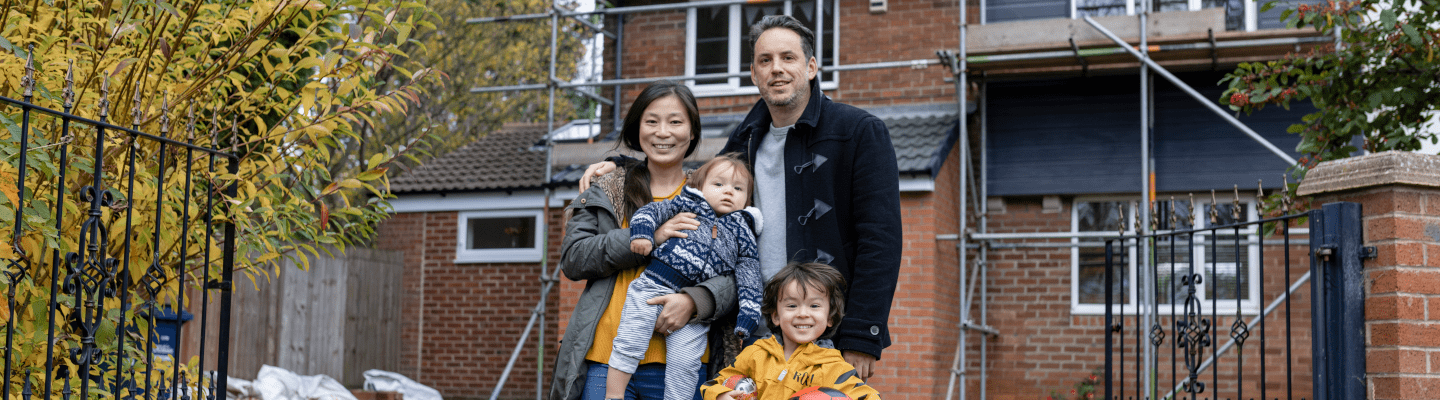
(275, 383)
(385, 381)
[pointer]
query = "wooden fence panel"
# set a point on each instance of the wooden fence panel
(339, 318)
(372, 323)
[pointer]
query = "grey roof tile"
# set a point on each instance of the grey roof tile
(506, 159)
(501, 160)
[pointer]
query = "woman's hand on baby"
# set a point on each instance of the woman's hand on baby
(640, 246)
(676, 309)
(675, 227)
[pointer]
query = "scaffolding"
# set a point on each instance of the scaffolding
(972, 174)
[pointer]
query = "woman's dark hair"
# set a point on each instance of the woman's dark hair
(806, 275)
(637, 176)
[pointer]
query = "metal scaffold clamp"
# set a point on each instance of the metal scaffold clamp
(949, 59)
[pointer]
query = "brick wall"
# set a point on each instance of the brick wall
(1399, 196)
(460, 322)
(655, 47)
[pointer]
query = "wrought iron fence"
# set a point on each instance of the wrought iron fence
(1204, 286)
(86, 295)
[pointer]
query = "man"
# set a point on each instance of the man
(826, 182)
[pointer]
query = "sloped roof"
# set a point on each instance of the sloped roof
(509, 160)
(921, 141)
(504, 159)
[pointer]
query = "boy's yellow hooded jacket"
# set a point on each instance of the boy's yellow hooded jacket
(778, 378)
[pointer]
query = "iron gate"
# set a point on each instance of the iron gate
(84, 294)
(1181, 339)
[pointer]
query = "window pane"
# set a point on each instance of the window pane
(804, 11)
(1230, 272)
(500, 233)
(751, 15)
(712, 42)
(1104, 216)
(827, 40)
(1174, 263)
(1234, 12)
(1099, 8)
(1171, 5)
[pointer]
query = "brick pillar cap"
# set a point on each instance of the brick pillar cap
(1376, 169)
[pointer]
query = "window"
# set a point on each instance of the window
(1239, 14)
(715, 41)
(1223, 259)
(499, 236)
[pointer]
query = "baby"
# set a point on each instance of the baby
(804, 303)
(723, 244)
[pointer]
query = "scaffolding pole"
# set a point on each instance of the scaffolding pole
(968, 186)
(1142, 213)
(1191, 91)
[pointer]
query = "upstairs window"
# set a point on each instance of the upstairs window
(716, 43)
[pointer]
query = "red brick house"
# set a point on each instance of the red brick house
(1055, 136)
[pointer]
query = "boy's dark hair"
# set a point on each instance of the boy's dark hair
(807, 275)
(807, 37)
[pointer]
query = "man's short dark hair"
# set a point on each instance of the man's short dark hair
(807, 275)
(807, 37)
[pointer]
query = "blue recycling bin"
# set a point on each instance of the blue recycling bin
(167, 332)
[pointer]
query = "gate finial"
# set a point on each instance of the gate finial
(1214, 209)
(104, 97)
(69, 94)
(28, 81)
(1235, 205)
(164, 114)
(135, 112)
(1174, 219)
(1154, 218)
(1259, 195)
(191, 125)
(1190, 216)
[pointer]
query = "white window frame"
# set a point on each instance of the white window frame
(464, 255)
(737, 32)
(1251, 10)
(1250, 239)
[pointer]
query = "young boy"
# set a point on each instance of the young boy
(804, 302)
(723, 244)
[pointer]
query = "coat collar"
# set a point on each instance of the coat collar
(760, 113)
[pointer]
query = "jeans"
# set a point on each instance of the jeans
(648, 382)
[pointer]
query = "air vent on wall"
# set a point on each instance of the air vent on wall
(877, 6)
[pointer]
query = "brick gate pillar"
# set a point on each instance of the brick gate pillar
(1399, 193)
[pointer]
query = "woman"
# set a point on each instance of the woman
(664, 124)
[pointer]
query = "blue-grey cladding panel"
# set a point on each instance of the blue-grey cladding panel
(1020, 10)
(1270, 19)
(1081, 136)
(1063, 136)
(1196, 150)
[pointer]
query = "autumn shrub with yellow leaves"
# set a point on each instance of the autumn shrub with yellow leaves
(285, 86)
